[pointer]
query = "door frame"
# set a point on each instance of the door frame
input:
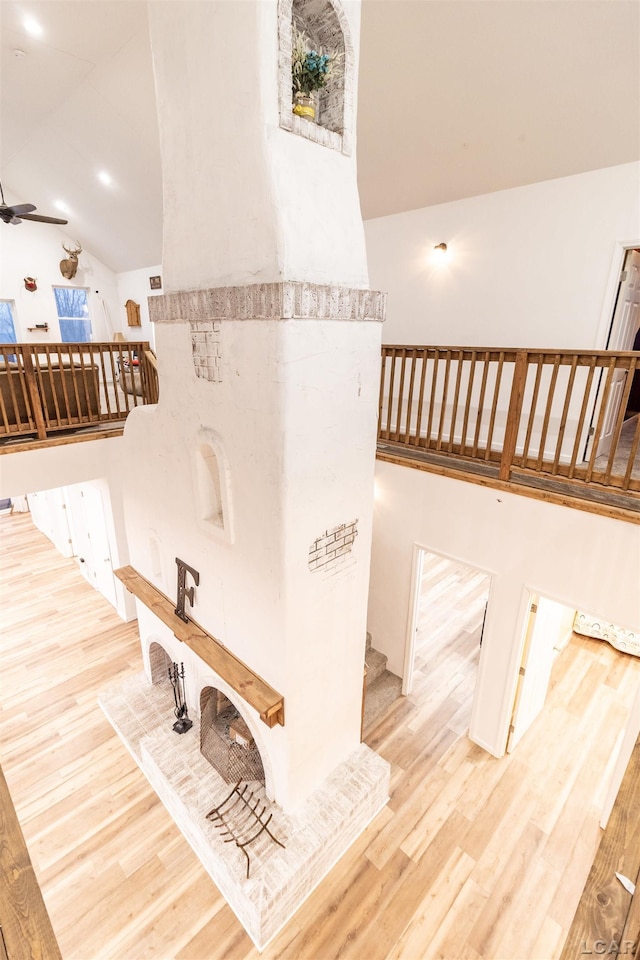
(605, 325)
(611, 291)
(417, 561)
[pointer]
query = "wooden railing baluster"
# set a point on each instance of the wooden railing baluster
(423, 374)
(565, 414)
(532, 411)
(467, 406)
(403, 362)
(579, 439)
(443, 405)
(494, 405)
(407, 433)
(115, 370)
(63, 383)
(383, 371)
(456, 396)
(391, 383)
(483, 390)
(547, 412)
(434, 380)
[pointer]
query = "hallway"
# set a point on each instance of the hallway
(473, 857)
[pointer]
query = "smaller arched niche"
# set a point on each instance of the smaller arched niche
(325, 25)
(211, 480)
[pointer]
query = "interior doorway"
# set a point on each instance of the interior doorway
(446, 622)
(622, 333)
(548, 628)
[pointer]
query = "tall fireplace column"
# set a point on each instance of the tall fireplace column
(257, 465)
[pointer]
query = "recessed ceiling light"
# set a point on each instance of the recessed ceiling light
(61, 206)
(105, 178)
(32, 27)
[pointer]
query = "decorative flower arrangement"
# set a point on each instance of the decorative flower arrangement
(311, 69)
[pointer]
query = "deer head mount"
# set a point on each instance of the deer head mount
(69, 267)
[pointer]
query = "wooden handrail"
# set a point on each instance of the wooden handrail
(49, 387)
(251, 687)
(510, 353)
(523, 413)
(151, 357)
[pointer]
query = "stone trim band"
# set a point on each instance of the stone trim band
(288, 300)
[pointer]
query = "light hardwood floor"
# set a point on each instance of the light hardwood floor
(473, 856)
(452, 600)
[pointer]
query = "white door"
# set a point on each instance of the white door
(535, 670)
(624, 326)
(90, 537)
(101, 548)
(49, 513)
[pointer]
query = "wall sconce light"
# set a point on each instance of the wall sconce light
(441, 248)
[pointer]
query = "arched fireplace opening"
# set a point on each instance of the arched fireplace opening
(226, 741)
(159, 663)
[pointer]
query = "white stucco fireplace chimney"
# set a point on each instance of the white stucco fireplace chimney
(256, 466)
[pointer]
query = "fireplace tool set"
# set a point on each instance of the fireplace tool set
(176, 676)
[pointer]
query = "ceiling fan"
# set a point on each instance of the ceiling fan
(22, 211)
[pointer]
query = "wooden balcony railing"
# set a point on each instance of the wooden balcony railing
(553, 414)
(46, 388)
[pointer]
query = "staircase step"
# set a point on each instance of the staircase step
(376, 665)
(380, 695)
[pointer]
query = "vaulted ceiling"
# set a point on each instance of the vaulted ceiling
(456, 98)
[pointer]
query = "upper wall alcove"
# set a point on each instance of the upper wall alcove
(325, 24)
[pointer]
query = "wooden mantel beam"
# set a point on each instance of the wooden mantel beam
(252, 688)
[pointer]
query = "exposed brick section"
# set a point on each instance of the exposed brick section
(207, 350)
(331, 550)
(288, 300)
(325, 24)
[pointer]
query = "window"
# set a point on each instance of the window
(7, 326)
(72, 305)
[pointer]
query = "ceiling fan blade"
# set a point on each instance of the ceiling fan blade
(36, 216)
(19, 208)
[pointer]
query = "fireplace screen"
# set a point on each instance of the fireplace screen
(226, 741)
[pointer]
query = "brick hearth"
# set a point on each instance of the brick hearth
(315, 837)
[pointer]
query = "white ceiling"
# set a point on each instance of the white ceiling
(457, 98)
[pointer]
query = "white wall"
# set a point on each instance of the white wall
(579, 559)
(95, 462)
(134, 285)
(526, 267)
(35, 250)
